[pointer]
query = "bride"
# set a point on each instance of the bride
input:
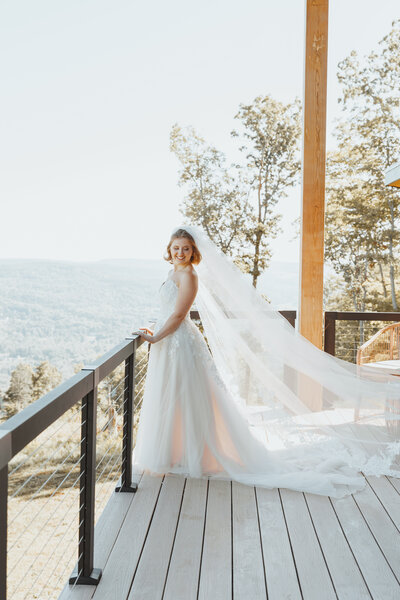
(253, 400)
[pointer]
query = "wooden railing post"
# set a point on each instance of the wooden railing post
(86, 574)
(127, 485)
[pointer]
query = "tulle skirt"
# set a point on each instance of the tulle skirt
(192, 424)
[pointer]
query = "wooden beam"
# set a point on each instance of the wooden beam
(313, 172)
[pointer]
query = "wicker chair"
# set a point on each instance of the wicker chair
(385, 346)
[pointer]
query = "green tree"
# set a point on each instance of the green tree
(45, 378)
(354, 234)
(237, 205)
(215, 200)
(19, 393)
(269, 134)
(370, 129)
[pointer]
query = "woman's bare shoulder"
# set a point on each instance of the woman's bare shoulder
(187, 277)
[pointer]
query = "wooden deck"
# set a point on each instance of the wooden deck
(182, 539)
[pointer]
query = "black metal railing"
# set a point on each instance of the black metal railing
(364, 325)
(82, 393)
(79, 394)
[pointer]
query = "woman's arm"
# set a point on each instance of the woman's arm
(186, 294)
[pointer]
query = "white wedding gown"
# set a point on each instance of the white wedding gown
(191, 424)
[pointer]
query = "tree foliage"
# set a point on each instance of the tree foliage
(27, 385)
(236, 205)
(19, 393)
(363, 215)
(45, 378)
(215, 199)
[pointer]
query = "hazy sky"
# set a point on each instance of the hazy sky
(91, 88)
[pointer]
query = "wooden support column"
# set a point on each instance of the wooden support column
(313, 172)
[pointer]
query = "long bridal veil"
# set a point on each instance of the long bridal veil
(301, 399)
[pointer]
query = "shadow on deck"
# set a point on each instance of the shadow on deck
(184, 539)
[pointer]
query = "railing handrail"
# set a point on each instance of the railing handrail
(21, 429)
(348, 315)
(331, 317)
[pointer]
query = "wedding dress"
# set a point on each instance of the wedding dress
(244, 404)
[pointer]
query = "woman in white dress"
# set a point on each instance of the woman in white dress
(194, 419)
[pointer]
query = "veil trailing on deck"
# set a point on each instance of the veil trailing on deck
(299, 395)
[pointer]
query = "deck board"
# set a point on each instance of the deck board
(248, 565)
(388, 496)
(180, 539)
(183, 572)
(382, 528)
(280, 569)
(377, 573)
(395, 482)
(118, 571)
(310, 562)
(106, 532)
(153, 566)
(344, 571)
(215, 579)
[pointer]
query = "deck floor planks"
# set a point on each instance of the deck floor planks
(150, 577)
(378, 575)
(162, 539)
(248, 566)
(388, 496)
(183, 573)
(395, 482)
(215, 579)
(106, 532)
(346, 576)
(120, 567)
(381, 527)
(311, 568)
(280, 570)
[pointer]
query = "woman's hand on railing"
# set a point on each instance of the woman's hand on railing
(146, 334)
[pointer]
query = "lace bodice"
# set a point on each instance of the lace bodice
(167, 298)
(186, 332)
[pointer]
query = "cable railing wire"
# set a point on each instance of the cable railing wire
(63, 424)
(112, 390)
(68, 562)
(105, 478)
(140, 381)
(141, 370)
(118, 453)
(42, 486)
(46, 461)
(68, 565)
(46, 542)
(34, 560)
(43, 526)
(110, 448)
(54, 550)
(117, 411)
(112, 482)
(44, 506)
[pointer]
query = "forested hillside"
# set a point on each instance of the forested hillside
(68, 312)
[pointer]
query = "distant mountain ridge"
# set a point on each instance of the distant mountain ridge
(71, 312)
